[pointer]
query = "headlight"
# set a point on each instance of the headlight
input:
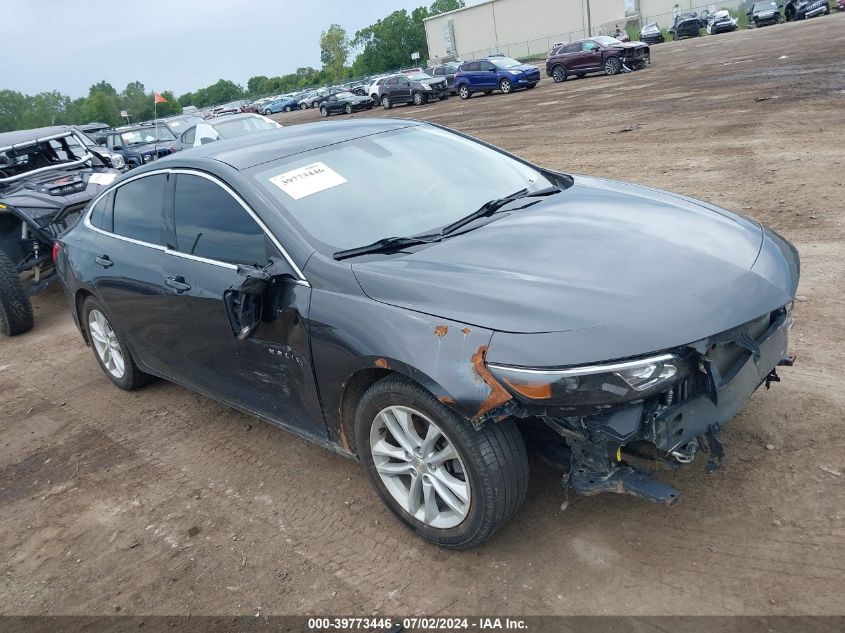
(148, 158)
(515, 72)
(426, 86)
(595, 385)
(117, 161)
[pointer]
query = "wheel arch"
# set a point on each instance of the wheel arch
(78, 301)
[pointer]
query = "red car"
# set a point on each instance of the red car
(594, 55)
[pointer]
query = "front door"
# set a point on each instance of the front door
(487, 77)
(590, 56)
(214, 242)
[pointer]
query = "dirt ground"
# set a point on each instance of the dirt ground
(164, 502)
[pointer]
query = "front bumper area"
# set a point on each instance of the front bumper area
(618, 451)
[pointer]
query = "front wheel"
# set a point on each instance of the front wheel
(451, 484)
(505, 85)
(267, 113)
(348, 108)
(463, 92)
(559, 73)
(612, 66)
(386, 103)
(419, 98)
(324, 112)
(15, 308)
(287, 108)
(303, 106)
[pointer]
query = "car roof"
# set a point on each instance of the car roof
(18, 137)
(249, 150)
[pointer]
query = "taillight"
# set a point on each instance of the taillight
(57, 246)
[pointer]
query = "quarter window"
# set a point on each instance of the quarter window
(189, 135)
(101, 214)
(137, 209)
(210, 223)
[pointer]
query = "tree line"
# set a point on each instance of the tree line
(384, 46)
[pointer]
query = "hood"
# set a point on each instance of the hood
(586, 257)
(524, 68)
(628, 45)
(431, 81)
(148, 147)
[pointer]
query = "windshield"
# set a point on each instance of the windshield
(179, 125)
(399, 183)
(504, 62)
(419, 76)
(765, 6)
(239, 127)
(605, 40)
(147, 135)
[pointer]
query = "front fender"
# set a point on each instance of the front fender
(351, 333)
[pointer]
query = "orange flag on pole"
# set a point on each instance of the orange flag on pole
(157, 98)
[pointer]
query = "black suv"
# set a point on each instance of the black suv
(139, 144)
(418, 88)
(47, 176)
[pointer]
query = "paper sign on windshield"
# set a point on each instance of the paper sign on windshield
(308, 180)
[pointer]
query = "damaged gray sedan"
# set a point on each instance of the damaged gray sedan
(433, 331)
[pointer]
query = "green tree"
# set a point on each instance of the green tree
(253, 85)
(186, 99)
(444, 6)
(334, 51)
(12, 106)
(388, 44)
(45, 108)
(100, 106)
(104, 87)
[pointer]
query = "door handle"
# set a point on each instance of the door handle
(104, 261)
(178, 283)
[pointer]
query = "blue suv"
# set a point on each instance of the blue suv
(494, 73)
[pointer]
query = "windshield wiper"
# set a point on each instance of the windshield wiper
(386, 244)
(489, 208)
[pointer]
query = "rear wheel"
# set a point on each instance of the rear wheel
(348, 108)
(386, 103)
(505, 85)
(464, 92)
(612, 66)
(15, 308)
(110, 348)
(450, 483)
(559, 73)
(287, 108)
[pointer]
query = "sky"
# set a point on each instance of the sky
(178, 45)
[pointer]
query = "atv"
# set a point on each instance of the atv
(47, 178)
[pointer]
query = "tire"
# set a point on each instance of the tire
(324, 112)
(287, 108)
(464, 92)
(559, 73)
(131, 377)
(348, 108)
(491, 465)
(267, 112)
(612, 66)
(418, 98)
(386, 103)
(15, 308)
(505, 85)
(303, 106)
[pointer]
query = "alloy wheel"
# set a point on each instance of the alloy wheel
(463, 91)
(105, 343)
(420, 467)
(418, 98)
(559, 74)
(348, 108)
(505, 86)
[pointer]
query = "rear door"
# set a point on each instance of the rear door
(471, 72)
(215, 240)
(129, 259)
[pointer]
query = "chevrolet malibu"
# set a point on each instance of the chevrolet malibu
(434, 332)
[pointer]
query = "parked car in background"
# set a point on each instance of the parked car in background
(596, 54)
(652, 34)
(140, 144)
(230, 126)
(840, 5)
(47, 176)
(804, 9)
(495, 72)
(178, 124)
(345, 102)
(686, 25)
(398, 89)
(721, 22)
(285, 104)
(112, 159)
(764, 13)
(373, 88)
(447, 72)
(306, 277)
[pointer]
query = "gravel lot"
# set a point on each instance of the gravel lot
(162, 501)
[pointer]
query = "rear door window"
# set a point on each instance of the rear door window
(137, 209)
(210, 223)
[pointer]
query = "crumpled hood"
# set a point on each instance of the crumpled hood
(598, 253)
